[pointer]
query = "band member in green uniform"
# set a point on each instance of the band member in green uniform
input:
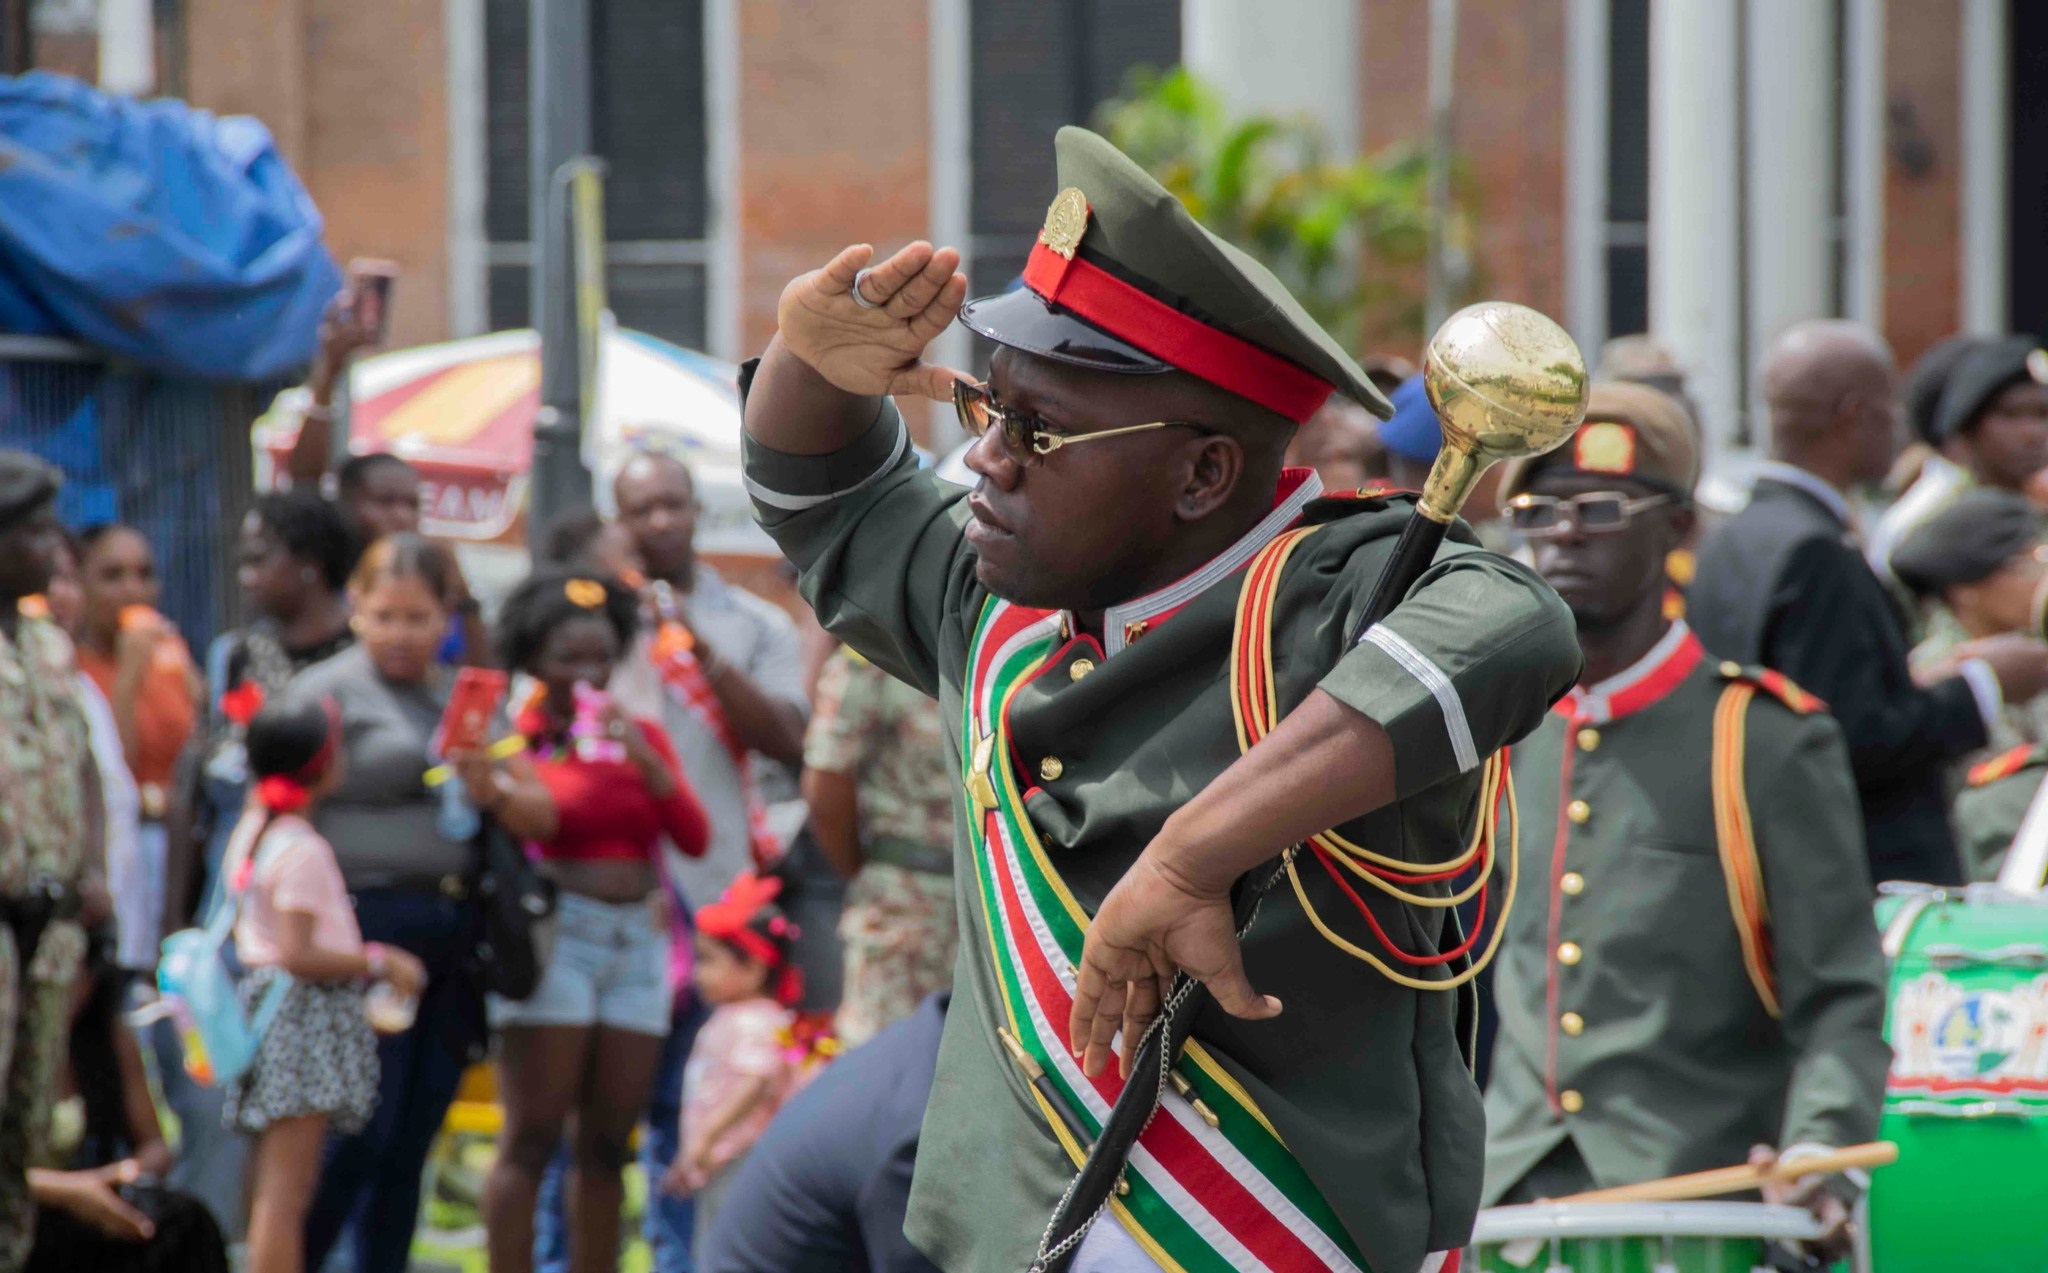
(1984, 560)
(1979, 569)
(1692, 974)
(1076, 615)
(1993, 803)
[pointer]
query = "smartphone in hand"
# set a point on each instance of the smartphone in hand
(466, 721)
(370, 282)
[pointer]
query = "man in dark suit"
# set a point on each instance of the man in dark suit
(1784, 584)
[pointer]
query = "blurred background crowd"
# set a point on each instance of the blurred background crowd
(313, 477)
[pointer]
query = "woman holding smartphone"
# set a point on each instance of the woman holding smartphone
(408, 880)
(587, 1042)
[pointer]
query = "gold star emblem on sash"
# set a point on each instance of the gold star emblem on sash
(980, 787)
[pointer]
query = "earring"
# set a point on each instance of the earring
(307, 574)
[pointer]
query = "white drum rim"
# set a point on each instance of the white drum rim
(1764, 1221)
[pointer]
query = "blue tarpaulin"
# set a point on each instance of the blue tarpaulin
(155, 232)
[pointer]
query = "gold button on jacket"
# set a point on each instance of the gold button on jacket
(1571, 1101)
(1578, 811)
(1571, 883)
(1572, 1023)
(1589, 739)
(1568, 953)
(1080, 668)
(1050, 769)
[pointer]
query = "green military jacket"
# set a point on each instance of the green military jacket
(1362, 1080)
(1992, 805)
(1629, 1022)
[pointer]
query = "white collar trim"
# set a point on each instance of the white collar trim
(1594, 701)
(1174, 595)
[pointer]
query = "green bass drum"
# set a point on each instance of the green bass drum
(1967, 1101)
(1633, 1237)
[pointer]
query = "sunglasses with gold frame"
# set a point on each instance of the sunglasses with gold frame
(1028, 436)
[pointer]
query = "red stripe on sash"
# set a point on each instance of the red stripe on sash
(1183, 1157)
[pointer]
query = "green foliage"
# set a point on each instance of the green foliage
(1349, 239)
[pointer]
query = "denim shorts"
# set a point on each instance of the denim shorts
(609, 967)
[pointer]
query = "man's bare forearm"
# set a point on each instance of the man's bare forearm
(793, 409)
(1324, 765)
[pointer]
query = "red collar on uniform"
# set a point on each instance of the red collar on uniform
(1127, 621)
(1645, 682)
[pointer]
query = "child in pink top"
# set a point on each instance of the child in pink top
(739, 1071)
(316, 1067)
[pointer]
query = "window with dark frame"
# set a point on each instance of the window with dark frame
(1627, 228)
(648, 123)
(1036, 66)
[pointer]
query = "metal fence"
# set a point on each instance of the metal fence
(167, 455)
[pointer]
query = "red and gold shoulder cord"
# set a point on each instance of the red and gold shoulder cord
(1737, 843)
(1254, 706)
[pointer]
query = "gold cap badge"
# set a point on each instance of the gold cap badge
(587, 593)
(1605, 446)
(1065, 222)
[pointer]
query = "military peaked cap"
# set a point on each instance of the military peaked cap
(1123, 279)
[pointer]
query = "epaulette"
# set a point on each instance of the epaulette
(1777, 685)
(2004, 765)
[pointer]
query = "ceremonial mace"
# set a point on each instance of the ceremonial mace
(1504, 381)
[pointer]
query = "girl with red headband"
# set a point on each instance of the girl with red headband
(739, 1070)
(317, 1065)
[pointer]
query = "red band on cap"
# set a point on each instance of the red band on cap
(1159, 329)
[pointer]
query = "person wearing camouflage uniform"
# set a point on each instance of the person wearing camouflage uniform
(884, 739)
(47, 837)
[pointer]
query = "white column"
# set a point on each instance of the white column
(1986, 85)
(1790, 166)
(722, 279)
(1695, 288)
(1863, 161)
(469, 309)
(127, 47)
(950, 57)
(1585, 189)
(1283, 57)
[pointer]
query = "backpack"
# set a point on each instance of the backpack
(197, 984)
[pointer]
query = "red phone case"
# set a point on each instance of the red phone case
(466, 721)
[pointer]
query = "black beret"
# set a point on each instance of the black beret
(26, 483)
(1929, 377)
(1982, 375)
(1978, 532)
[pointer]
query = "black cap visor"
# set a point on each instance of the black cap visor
(1023, 320)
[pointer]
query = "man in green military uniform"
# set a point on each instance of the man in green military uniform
(1996, 795)
(1075, 615)
(1692, 971)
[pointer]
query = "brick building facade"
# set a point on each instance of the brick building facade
(1708, 169)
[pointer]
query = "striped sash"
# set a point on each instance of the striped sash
(1201, 1199)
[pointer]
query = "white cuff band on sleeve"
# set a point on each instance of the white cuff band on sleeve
(1983, 683)
(1433, 679)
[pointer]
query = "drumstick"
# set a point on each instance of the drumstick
(1724, 1180)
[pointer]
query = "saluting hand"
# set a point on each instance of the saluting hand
(875, 351)
(1152, 923)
